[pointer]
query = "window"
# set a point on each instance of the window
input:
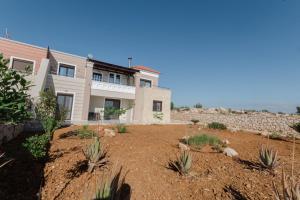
(145, 83)
(66, 70)
(157, 106)
(22, 65)
(111, 78)
(97, 76)
(114, 78)
(118, 79)
(65, 101)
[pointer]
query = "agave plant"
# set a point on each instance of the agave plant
(95, 154)
(182, 164)
(110, 188)
(268, 158)
(290, 191)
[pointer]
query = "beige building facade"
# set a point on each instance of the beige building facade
(88, 88)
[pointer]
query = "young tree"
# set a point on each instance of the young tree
(172, 105)
(14, 100)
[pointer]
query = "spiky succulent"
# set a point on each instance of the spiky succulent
(182, 164)
(268, 158)
(110, 188)
(290, 191)
(95, 154)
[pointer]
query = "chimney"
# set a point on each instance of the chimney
(129, 61)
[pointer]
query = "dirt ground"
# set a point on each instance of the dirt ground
(144, 153)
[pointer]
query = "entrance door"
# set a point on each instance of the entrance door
(65, 101)
(110, 106)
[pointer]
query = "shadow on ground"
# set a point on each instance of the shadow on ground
(21, 178)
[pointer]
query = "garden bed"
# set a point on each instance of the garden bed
(144, 153)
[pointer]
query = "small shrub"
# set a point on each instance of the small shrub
(110, 188)
(296, 127)
(37, 145)
(217, 125)
(290, 190)
(268, 158)
(182, 164)
(195, 121)
(265, 111)
(198, 105)
(219, 147)
(95, 154)
(198, 141)
(85, 132)
(275, 136)
(122, 128)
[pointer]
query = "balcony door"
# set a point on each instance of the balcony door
(65, 101)
(110, 105)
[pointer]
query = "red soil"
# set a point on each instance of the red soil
(145, 151)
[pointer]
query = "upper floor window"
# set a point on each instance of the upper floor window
(157, 106)
(114, 78)
(22, 65)
(145, 83)
(97, 76)
(118, 79)
(66, 70)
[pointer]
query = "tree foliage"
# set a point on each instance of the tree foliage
(14, 100)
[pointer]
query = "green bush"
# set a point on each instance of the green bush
(198, 105)
(198, 141)
(37, 145)
(85, 132)
(121, 128)
(217, 125)
(296, 127)
(298, 110)
(14, 100)
(195, 121)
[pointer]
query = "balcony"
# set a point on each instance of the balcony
(106, 89)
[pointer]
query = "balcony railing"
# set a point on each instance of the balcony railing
(113, 87)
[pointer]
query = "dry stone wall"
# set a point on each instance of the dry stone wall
(254, 121)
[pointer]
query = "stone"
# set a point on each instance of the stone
(225, 141)
(109, 132)
(183, 147)
(185, 138)
(230, 152)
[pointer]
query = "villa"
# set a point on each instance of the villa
(86, 86)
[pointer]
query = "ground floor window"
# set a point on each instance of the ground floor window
(157, 106)
(110, 105)
(65, 101)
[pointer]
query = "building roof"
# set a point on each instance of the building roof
(144, 68)
(112, 67)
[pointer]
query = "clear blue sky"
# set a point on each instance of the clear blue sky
(230, 53)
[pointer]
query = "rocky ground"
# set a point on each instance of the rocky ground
(144, 153)
(263, 122)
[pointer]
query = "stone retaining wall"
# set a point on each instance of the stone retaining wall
(256, 121)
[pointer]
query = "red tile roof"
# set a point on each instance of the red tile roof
(145, 69)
